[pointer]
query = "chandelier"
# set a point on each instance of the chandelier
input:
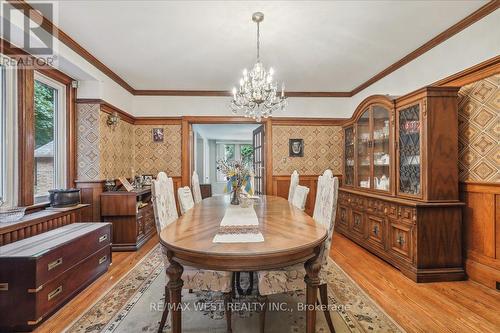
(257, 95)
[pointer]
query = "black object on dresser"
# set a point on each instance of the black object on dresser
(41, 273)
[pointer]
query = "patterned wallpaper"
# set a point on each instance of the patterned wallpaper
(152, 157)
(115, 149)
(322, 149)
(479, 131)
(87, 150)
(104, 152)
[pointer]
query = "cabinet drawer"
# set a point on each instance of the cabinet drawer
(357, 223)
(60, 259)
(55, 292)
(407, 213)
(400, 239)
(376, 230)
(343, 217)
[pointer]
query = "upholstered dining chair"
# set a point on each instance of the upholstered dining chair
(294, 181)
(300, 197)
(186, 201)
(195, 183)
(165, 212)
(292, 278)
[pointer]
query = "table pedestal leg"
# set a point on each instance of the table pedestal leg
(174, 285)
(312, 280)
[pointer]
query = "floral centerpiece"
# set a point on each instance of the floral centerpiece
(238, 175)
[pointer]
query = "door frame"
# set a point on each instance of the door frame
(187, 147)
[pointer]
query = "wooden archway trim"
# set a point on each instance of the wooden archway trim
(186, 156)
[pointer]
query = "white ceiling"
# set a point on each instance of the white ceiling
(204, 45)
(226, 132)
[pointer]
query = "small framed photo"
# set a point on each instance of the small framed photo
(157, 134)
(296, 148)
(147, 180)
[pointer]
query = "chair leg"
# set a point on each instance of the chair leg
(165, 311)
(190, 291)
(263, 300)
(227, 310)
(323, 294)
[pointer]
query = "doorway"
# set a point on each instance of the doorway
(230, 142)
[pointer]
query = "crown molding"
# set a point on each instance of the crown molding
(51, 28)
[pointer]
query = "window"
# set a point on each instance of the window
(246, 153)
(8, 140)
(50, 136)
(3, 175)
(233, 151)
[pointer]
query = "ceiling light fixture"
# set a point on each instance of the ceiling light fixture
(257, 94)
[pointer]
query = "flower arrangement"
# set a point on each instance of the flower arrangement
(237, 175)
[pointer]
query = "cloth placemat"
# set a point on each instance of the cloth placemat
(239, 225)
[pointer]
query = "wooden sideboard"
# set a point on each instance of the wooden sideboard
(131, 214)
(39, 222)
(399, 197)
(55, 266)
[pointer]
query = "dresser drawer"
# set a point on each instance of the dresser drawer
(376, 230)
(343, 217)
(55, 292)
(400, 239)
(59, 260)
(357, 223)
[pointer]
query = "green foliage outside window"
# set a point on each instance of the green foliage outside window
(246, 152)
(44, 114)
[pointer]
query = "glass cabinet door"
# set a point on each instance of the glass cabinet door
(349, 156)
(409, 150)
(381, 148)
(363, 145)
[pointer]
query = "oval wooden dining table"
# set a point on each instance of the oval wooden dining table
(290, 237)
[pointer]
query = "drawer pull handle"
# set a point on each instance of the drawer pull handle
(54, 293)
(54, 264)
(4, 286)
(375, 230)
(103, 238)
(401, 240)
(102, 259)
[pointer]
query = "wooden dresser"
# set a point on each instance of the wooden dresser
(399, 197)
(131, 214)
(39, 274)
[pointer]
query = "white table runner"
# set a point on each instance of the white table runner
(239, 225)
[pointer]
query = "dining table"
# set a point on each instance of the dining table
(290, 237)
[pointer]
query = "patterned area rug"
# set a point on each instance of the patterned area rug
(135, 304)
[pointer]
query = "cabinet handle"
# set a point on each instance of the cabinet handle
(102, 259)
(375, 230)
(401, 240)
(103, 238)
(54, 264)
(4, 286)
(54, 293)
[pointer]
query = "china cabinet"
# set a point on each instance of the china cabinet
(399, 198)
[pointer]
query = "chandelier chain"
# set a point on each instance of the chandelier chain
(258, 41)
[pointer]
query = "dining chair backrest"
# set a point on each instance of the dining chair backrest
(300, 197)
(325, 208)
(172, 208)
(195, 183)
(294, 181)
(162, 202)
(186, 201)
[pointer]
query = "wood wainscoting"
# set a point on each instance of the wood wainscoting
(281, 185)
(481, 223)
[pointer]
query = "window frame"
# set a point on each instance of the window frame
(60, 135)
(8, 131)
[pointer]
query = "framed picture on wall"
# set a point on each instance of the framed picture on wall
(157, 134)
(296, 148)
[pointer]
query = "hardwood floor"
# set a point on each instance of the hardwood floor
(463, 306)
(434, 307)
